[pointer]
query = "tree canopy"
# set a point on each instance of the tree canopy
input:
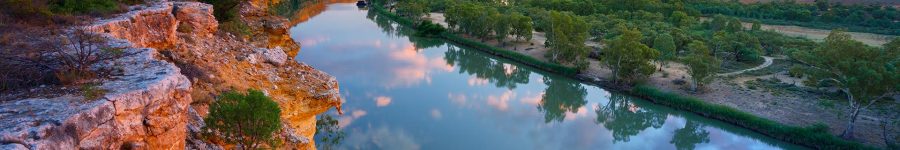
(628, 57)
(701, 65)
(566, 37)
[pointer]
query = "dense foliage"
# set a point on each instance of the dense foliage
(628, 58)
(428, 29)
(701, 65)
(247, 119)
(226, 12)
(822, 14)
(566, 34)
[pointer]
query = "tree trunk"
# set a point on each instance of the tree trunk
(854, 113)
(616, 69)
(694, 85)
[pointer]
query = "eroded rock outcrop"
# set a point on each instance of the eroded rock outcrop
(144, 108)
(182, 59)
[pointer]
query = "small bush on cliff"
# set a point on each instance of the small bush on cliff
(225, 10)
(246, 119)
(236, 27)
(38, 46)
(48, 56)
(91, 7)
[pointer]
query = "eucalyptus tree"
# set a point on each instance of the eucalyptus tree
(413, 9)
(665, 44)
(744, 46)
(701, 65)
(522, 26)
(628, 57)
(756, 26)
(566, 37)
(864, 74)
(502, 26)
(734, 25)
(682, 20)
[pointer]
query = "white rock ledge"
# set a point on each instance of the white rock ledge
(146, 108)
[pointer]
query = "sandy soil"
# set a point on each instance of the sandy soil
(799, 109)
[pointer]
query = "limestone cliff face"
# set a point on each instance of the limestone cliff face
(160, 100)
(156, 25)
(144, 108)
(216, 62)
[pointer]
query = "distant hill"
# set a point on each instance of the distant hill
(895, 3)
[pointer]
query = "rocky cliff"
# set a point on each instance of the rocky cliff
(143, 108)
(160, 100)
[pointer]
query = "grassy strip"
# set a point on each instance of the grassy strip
(515, 56)
(816, 136)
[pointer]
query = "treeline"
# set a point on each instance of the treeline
(822, 14)
(668, 28)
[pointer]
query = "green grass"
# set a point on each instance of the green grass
(92, 91)
(815, 136)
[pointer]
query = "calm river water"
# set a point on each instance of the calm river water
(406, 92)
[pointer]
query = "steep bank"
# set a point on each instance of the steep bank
(160, 100)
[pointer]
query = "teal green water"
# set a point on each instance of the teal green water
(405, 92)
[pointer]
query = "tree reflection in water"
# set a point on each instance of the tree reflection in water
(625, 119)
(385, 23)
(479, 65)
(562, 95)
(328, 134)
(424, 43)
(688, 137)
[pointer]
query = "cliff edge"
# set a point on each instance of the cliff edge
(182, 63)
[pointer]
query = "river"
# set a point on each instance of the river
(407, 92)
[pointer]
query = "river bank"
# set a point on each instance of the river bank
(800, 111)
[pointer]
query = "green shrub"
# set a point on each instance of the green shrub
(224, 10)
(796, 71)
(246, 119)
(92, 91)
(236, 27)
(815, 136)
(79, 7)
(428, 29)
